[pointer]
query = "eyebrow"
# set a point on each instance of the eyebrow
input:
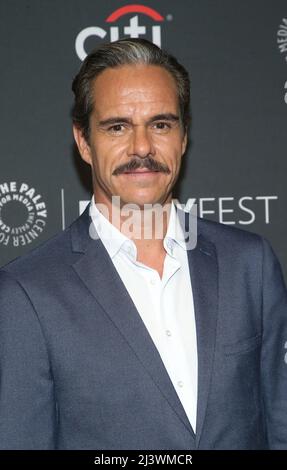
(158, 117)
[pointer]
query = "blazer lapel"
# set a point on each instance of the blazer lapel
(98, 273)
(204, 278)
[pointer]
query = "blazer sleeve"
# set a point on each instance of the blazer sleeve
(274, 350)
(27, 405)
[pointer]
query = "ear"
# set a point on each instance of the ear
(82, 144)
(184, 144)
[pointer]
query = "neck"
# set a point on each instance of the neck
(146, 226)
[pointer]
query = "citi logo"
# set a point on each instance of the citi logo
(137, 15)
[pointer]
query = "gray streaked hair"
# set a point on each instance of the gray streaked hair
(119, 53)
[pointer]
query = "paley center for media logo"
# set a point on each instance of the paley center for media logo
(282, 46)
(132, 21)
(23, 214)
(282, 38)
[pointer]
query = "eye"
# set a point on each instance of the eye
(162, 126)
(116, 128)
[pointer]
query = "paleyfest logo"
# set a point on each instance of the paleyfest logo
(23, 214)
(143, 21)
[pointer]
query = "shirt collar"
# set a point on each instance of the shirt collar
(112, 238)
(175, 234)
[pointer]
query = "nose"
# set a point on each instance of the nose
(141, 142)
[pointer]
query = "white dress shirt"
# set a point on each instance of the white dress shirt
(164, 304)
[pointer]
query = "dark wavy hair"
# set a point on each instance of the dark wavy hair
(116, 54)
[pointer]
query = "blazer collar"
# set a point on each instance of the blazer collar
(204, 280)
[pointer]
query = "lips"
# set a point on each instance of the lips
(140, 170)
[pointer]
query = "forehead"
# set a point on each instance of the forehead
(134, 86)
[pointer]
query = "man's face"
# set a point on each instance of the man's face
(136, 137)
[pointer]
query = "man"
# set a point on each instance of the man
(114, 340)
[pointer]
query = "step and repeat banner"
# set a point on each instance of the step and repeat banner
(236, 165)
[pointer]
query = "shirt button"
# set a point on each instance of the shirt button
(180, 384)
(168, 332)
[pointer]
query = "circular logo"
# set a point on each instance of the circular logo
(23, 214)
(282, 37)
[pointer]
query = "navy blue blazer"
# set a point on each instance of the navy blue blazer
(79, 369)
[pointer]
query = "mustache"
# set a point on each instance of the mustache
(146, 162)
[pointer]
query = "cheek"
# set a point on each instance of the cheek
(105, 157)
(172, 157)
(169, 148)
(175, 165)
